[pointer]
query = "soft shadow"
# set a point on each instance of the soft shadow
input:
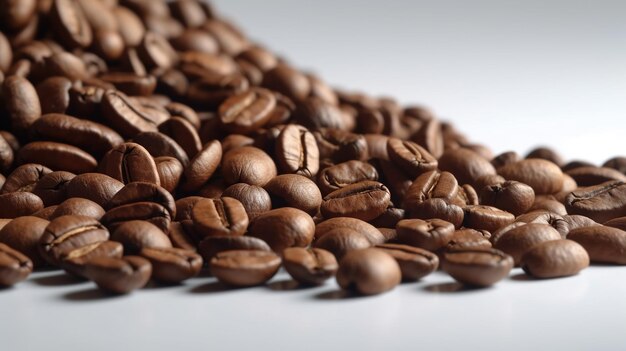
(339, 295)
(204, 273)
(521, 277)
(288, 285)
(152, 285)
(92, 294)
(58, 280)
(212, 287)
(452, 287)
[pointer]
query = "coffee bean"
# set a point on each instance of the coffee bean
(340, 146)
(57, 156)
(430, 185)
(99, 188)
(225, 216)
(297, 151)
(469, 239)
(130, 162)
(410, 157)
(141, 192)
(287, 81)
(254, 199)
(617, 163)
(143, 211)
(170, 172)
(158, 144)
(282, 228)
(23, 234)
(52, 187)
(54, 94)
(248, 111)
(486, 218)
(511, 196)
(578, 221)
(466, 165)
(368, 272)
(182, 131)
(136, 235)
(119, 275)
(294, 190)
(78, 206)
(543, 176)
(6, 54)
(212, 245)
(371, 233)
(203, 166)
(588, 176)
(552, 259)
(550, 205)
(309, 266)
(438, 208)
(477, 267)
(604, 244)
(6, 155)
(546, 153)
(184, 207)
(77, 259)
(415, 263)
(18, 204)
(24, 178)
(389, 218)
(315, 113)
(430, 234)
(430, 136)
(517, 241)
(248, 165)
(21, 103)
(244, 267)
(67, 233)
(619, 223)
(69, 24)
(341, 240)
(127, 116)
(365, 200)
(600, 202)
(171, 265)
(344, 174)
(14, 266)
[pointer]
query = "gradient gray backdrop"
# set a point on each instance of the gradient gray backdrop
(513, 74)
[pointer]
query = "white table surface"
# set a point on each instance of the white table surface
(513, 74)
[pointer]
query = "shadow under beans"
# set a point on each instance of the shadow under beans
(339, 295)
(212, 287)
(452, 287)
(153, 285)
(521, 277)
(288, 285)
(60, 279)
(92, 294)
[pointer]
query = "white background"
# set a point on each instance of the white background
(512, 74)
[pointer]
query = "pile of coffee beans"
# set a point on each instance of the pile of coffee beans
(145, 140)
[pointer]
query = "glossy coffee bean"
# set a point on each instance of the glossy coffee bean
(410, 157)
(469, 239)
(171, 265)
(212, 245)
(543, 176)
(588, 176)
(225, 216)
(52, 187)
(143, 211)
(23, 234)
(244, 267)
(18, 204)
(341, 240)
(341, 175)
(202, 166)
(127, 116)
(67, 233)
(119, 275)
(96, 187)
(604, 244)
(170, 172)
(511, 196)
(371, 233)
(430, 234)
(365, 200)
(309, 266)
(136, 235)
(254, 198)
(69, 24)
(552, 259)
(477, 267)
(486, 218)
(248, 111)
(143, 192)
(600, 202)
(77, 259)
(619, 222)
(466, 165)
(438, 208)
(618, 163)
(21, 102)
(368, 272)
(24, 178)
(431, 185)
(159, 144)
(517, 241)
(297, 151)
(283, 228)
(78, 206)
(578, 221)
(130, 162)
(57, 156)
(14, 266)
(415, 263)
(294, 190)
(248, 165)
(340, 146)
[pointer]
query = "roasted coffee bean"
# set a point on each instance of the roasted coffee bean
(97, 187)
(6, 54)
(282, 228)
(365, 200)
(184, 206)
(309, 266)
(517, 241)
(368, 272)
(136, 235)
(294, 190)
(344, 174)
(341, 240)
(430, 234)
(543, 176)
(486, 218)
(578, 221)
(588, 176)
(371, 233)
(23, 234)
(54, 94)
(119, 275)
(550, 205)
(469, 239)
(340, 146)
(183, 132)
(415, 263)
(143, 191)
(254, 199)
(225, 216)
(212, 245)
(234, 141)
(437, 208)
(315, 113)
(69, 24)
(244, 267)
(466, 165)
(297, 151)
(389, 218)
(77, 259)
(172, 265)
(67, 233)
(248, 111)
(213, 89)
(57, 156)
(127, 116)
(410, 157)
(556, 221)
(143, 211)
(617, 163)
(130, 162)
(546, 153)
(430, 136)
(20, 102)
(552, 259)
(14, 266)
(181, 237)
(619, 223)
(248, 165)
(170, 172)
(430, 185)
(18, 204)
(52, 187)
(78, 206)
(489, 180)
(288, 82)
(6, 155)
(511, 196)
(604, 244)
(600, 203)
(203, 166)
(158, 144)
(24, 178)
(477, 267)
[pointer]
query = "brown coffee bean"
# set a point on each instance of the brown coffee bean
(130, 162)
(619, 223)
(309, 266)
(430, 234)
(371, 233)
(24, 178)
(158, 144)
(477, 267)
(466, 165)
(52, 187)
(588, 176)
(389, 218)
(486, 218)
(248, 165)
(430, 185)
(69, 24)
(430, 136)
(132, 30)
(182, 131)
(340, 146)
(6, 155)
(437, 208)
(184, 206)
(297, 151)
(543, 176)
(248, 111)
(99, 188)
(511, 196)
(604, 244)
(294, 190)
(213, 89)
(225, 216)
(254, 199)
(315, 113)
(77, 259)
(288, 82)
(127, 116)
(14, 266)
(119, 275)
(617, 163)
(244, 267)
(578, 221)
(202, 166)
(550, 205)
(415, 263)
(469, 239)
(6, 54)
(143, 211)
(143, 191)
(341, 240)
(517, 241)
(170, 172)
(18, 204)
(20, 102)
(212, 245)
(23, 234)
(172, 265)
(78, 206)
(552, 259)
(67, 233)
(54, 94)
(365, 200)
(57, 156)
(136, 235)
(344, 174)
(600, 202)
(410, 157)
(283, 227)
(368, 272)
